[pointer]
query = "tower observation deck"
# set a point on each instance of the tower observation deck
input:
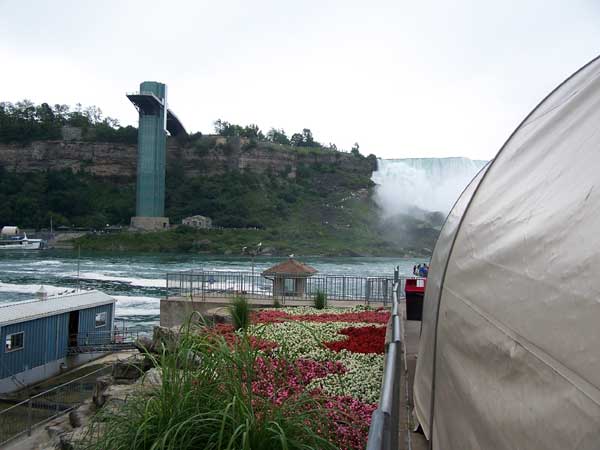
(155, 119)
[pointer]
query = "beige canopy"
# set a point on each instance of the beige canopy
(10, 231)
(509, 356)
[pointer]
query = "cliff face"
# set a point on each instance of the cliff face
(120, 160)
(102, 159)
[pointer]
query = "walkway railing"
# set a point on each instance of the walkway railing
(203, 284)
(385, 422)
(103, 341)
(22, 417)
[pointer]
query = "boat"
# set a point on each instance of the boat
(21, 243)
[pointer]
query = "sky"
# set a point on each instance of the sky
(401, 78)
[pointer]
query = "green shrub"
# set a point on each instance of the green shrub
(276, 302)
(320, 300)
(240, 312)
(202, 146)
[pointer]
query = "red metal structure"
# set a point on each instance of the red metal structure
(414, 291)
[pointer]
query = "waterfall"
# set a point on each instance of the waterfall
(427, 184)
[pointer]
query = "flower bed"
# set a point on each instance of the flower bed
(294, 379)
(337, 355)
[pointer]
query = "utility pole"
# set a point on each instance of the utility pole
(252, 254)
(78, 264)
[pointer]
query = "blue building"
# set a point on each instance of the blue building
(39, 335)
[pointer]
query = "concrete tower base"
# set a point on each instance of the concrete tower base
(149, 223)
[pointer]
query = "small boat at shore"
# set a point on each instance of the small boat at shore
(21, 243)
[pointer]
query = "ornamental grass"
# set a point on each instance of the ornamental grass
(228, 394)
(240, 312)
(320, 300)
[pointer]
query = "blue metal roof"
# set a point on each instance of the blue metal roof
(34, 309)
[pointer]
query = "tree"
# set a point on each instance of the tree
(278, 136)
(93, 114)
(355, 149)
(61, 112)
(307, 138)
(297, 140)
(227, 129)
(304, 139)
(252, 131)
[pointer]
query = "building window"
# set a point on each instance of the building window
(14, 342)
(100, 319)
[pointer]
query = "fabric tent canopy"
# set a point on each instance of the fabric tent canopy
(509, 356)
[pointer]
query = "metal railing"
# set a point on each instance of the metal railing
(101, 341)
(385, 421)
(22, 417)
(202, 284)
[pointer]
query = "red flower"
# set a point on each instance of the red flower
(360, 340)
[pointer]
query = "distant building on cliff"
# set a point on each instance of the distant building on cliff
(154, 122)
(201, 222)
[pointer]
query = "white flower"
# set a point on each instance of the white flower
(304, 340)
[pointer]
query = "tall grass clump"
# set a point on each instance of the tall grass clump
(208, 400)
(320, 300)
(240, 312)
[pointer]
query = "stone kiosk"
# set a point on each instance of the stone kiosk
(289, 278)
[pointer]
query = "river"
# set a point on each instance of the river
(137, 281)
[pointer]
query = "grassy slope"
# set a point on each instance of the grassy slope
(350, 230)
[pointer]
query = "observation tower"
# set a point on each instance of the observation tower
(154, 122)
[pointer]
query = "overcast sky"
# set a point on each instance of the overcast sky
(401, 78)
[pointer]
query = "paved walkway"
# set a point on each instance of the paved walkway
(409, 440)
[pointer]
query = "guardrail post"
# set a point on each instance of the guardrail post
(385, 423)
(29, 419)
(380, 424)
(167, 293)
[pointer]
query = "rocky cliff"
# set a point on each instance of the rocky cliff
(215, 157)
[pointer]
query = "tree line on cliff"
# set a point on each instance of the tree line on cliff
(304, 138)
(23, 122)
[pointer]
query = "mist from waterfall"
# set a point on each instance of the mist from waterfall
(429, 184)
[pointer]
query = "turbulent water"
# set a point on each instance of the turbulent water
(138, 281)
(430, 184)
